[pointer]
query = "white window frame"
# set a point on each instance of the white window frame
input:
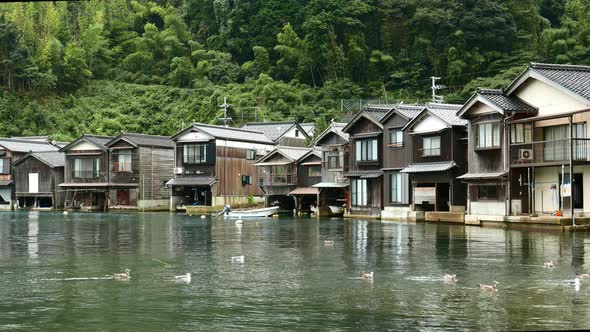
(396, 183)
(358, 192)
(430, 150)
(488, 135)
(190, 155)
(366, 150)
(396, 137)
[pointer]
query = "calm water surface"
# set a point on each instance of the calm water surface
(54, 275)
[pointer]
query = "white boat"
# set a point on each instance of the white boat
(265, 212)
(336, 210)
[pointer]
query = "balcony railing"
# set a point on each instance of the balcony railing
(277, 179)
(81, 174)
(552, 151)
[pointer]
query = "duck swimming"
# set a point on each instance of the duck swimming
(549, 264)
(238, 259)
(183, 278)
(328, 243)
(122, 275)
(493, 287)
(450, 277)
(367, 275)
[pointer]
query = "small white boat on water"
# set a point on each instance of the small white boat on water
(255, 213)
(336, 210)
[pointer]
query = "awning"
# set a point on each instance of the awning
(97, 185)
(277, 163)
(311, 163)
(5, 182)
(365, 174)
(367, 135)
(305, 191)
(429, 167)
(193, 181)
(330, 185)
(481, 176)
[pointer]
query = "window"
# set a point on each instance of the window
(296, 132)
(396, 187)
(334, 162)
(366, 150)
(251, 154)
(358, 192)
(123, 161)
(195, 154)
(396, 138)
(521, 133)
(487, 135)
(314, 171)
(431, 146)
(246, 179)
(86, 168)
(279, 174)
(580, 146)
(486, 192)
(4, 166)
(556, 143)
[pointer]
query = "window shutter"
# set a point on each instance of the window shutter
(210, 158)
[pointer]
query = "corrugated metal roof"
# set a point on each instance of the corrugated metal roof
(192, 181)
(429, 167)
(330, 185)
(230, 133)
(305, 191)
(26, 145)
(483, 176)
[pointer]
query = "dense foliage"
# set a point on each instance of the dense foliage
(108, 66)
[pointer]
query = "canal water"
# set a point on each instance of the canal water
(55, 274)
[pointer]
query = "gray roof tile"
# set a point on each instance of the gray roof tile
(26, 145)
(429, 167)
(230, 133)
(506, 103)
(447, 112)
(274, 130)
(146, 140)
(573, 78)
(53, 158)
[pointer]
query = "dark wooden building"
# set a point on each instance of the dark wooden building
(140, 166)
(284, 133)
(281, 173)
(12, 150)
(439, 156)
(37, 176)
(214, 166)
(397, 155)
(333, 188)
(86, 173)
(365, 162)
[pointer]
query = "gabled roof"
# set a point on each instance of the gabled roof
(99, 141)
(573, 80)
(497, 100)
(373, 113)
(335, 128)
(229, 133)
(50, 158)
(143, 140)
(408, 112)
(311, 152)
(445, 112)
(293, 154)
(275, 130)
(309, 127)
(26, 145)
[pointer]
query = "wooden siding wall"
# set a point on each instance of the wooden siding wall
(396, 157)
(360, 127)
(125, 177)
(303, 178)
(231, 165)
(484, 161)
(33, 165)
(156, 167)
(69, 169)
(328, 142)
(446, 145)
(291, 141)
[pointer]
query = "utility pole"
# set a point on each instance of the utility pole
(435, 87)
(225, 119)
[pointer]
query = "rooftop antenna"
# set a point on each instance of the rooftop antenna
(435, 87)
(225, 119)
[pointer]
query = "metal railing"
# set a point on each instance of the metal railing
(550, 151)
(277, 179)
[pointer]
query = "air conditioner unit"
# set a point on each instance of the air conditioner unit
(178, 170)
(525, 155)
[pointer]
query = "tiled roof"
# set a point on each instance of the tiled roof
(447, 112)
(409, 111)
(230, 133)
(376, 114)
(26, 145)
(53, 158)
(192, 181)
(573, 78)
(146, 140)
(506, 103)
(308, 127)
(293, 152)
(273, 130)
(336, 128)
(429, 167)
(481, 176)
(305, 191)
(99, 141)
(364, 174)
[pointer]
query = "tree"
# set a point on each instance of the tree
(76, 70)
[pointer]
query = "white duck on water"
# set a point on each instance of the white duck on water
(183, 278)
(238, 259)
(450, 277)
(367, 275)
(493, 287)
(549, 264)
(122, 275)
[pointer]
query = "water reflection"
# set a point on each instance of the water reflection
(53, 266)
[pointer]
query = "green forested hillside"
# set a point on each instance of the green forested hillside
(118, 65)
